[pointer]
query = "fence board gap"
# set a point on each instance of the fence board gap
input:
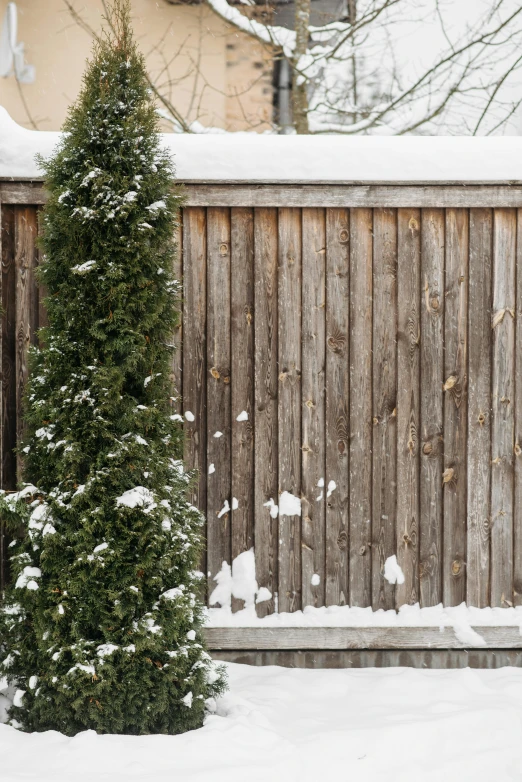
(503, 406)
(289, 404)
(455, 407)
(361, 257)
(266, 386)
(337, 403)
(314, 497)
(384, 471)
(242, 382)
(177, 337)
(408, 402)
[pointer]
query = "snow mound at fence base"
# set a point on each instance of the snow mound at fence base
(252, 157)
(294, 725)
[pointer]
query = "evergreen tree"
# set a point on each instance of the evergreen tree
(103, 617)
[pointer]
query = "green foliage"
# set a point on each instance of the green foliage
(103, 619)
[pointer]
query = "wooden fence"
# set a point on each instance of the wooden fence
(373, 336)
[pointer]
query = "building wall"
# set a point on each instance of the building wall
(209, 72)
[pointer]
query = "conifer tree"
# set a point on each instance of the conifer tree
(103, 618)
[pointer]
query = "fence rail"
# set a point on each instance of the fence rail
(375, 345)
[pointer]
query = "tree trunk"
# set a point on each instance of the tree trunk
(299, 85)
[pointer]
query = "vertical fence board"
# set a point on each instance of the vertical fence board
(479, 408)
(289, 404)
(177, 337)
(242, 379)
(218, 389)
(408, 402)
(194, 385)
(431, 400)
(26, 230)
(384, 501)
(313, 406)
(266, 383)
(517, 520)
(455, 407)
(337, 403)
(361, 257)
(503, 404)
(8, 398)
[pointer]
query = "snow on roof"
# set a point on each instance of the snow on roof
(249, 157)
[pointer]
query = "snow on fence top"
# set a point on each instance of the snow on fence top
(248, 157)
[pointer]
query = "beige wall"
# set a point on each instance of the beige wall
(208, 71)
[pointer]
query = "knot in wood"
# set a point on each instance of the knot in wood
(481, 419)
(309, 403)
(342, 540)
(413, 225)
(434, 303)
(362, 550)
(226, 380)
(517, 449)
(223, 249)
(448, 475)
(344, 235)
(450, 382)
(427, 448)
(456, 567)
(215, 373)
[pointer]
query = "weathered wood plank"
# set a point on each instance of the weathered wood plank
(26, 231)
(408, 402)
(337, 403)
(479, 408)
(8, 425)
(289, 403)
(455, 407)
(361, 257)
(376, 658)
(431, 405)
(266, 385)
(281, 638)
(326, 194)
(503, 404)
(242, 381)
(425, 195)
(177, 337)
(313, 407)
(384, 470)
(517, 518)
(194, 384)
(23, 193)
(219, 499)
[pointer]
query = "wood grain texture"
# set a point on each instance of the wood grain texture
(26, 231)
(313, 407)
(242, 380)
(517, 518)
(479, 408)
(431, 404)
(384, 471)
(455, 406)
(500, 637)
(337, 403)
(354, 195)
(326, 194)
(218, 391)
(194, 386)
(376, 658)
(8, 427)
(266, 386)
(289, 403)
(408, 402)
(503, 406)
(361, 258)
(177, 337)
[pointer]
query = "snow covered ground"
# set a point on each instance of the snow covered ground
(284, 725)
